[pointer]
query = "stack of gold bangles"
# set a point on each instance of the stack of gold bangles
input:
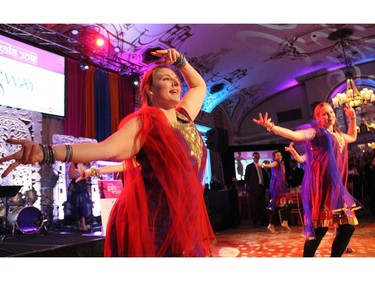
(95, 172)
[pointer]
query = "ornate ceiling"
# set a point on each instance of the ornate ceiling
(243, 64)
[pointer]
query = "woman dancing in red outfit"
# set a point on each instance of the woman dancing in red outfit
(161, 211)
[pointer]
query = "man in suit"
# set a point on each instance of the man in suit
(294, 174)
(254, 181)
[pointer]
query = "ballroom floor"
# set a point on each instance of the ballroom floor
(245, 241)
(239, 251)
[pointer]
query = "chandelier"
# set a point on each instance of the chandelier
(352, 96)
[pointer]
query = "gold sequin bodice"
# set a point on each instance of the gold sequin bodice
(340, 139)
(191, 135)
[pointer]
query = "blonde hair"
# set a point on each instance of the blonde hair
(318, 107)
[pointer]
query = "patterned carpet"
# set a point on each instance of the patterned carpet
(245, 241)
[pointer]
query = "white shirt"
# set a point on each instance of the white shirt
(260, 174)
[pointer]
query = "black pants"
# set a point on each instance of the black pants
(343, 234)
(274, 214)
(257, 207)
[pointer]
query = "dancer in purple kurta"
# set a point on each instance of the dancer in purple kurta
(326, 200)
(278, 192)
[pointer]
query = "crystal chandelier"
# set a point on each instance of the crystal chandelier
(352, 95)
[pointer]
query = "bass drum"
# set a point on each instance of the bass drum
(26, 219)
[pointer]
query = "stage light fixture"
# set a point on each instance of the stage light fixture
(84, 66)
(100, 42)
(135, 79)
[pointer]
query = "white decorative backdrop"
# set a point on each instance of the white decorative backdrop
(24, 124)
(20, 124)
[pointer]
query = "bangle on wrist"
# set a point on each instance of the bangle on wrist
(49, 154)
(181, 61)
(68, 153)
(95, 172)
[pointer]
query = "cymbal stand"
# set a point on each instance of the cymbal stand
(7, 192)
(5, 225)
(47, 208)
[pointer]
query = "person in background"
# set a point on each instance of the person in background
(254, 181)
(267, 175)
(238, 161)
(78, 205)
(326, 200)
(369, 179)
(161, 210)
(355, 178)
(215, 183)
(278, 192)
(294, 174)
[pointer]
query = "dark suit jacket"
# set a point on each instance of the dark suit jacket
(252, 180)
(294, 177)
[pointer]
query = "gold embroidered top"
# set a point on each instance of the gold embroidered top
(340, 139)
(190, 133)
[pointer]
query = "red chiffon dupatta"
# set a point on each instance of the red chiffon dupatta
(131, 228)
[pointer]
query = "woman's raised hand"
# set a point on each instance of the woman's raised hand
(170, 56)
(84, 173)
(290, 147)
(29, 153)
(350, 112)
(264, 121)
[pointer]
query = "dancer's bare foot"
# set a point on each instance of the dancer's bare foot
(285, 225)
(271, 228)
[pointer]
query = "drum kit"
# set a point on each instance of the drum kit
(17, 210)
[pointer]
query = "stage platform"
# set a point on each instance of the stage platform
(52, 244)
